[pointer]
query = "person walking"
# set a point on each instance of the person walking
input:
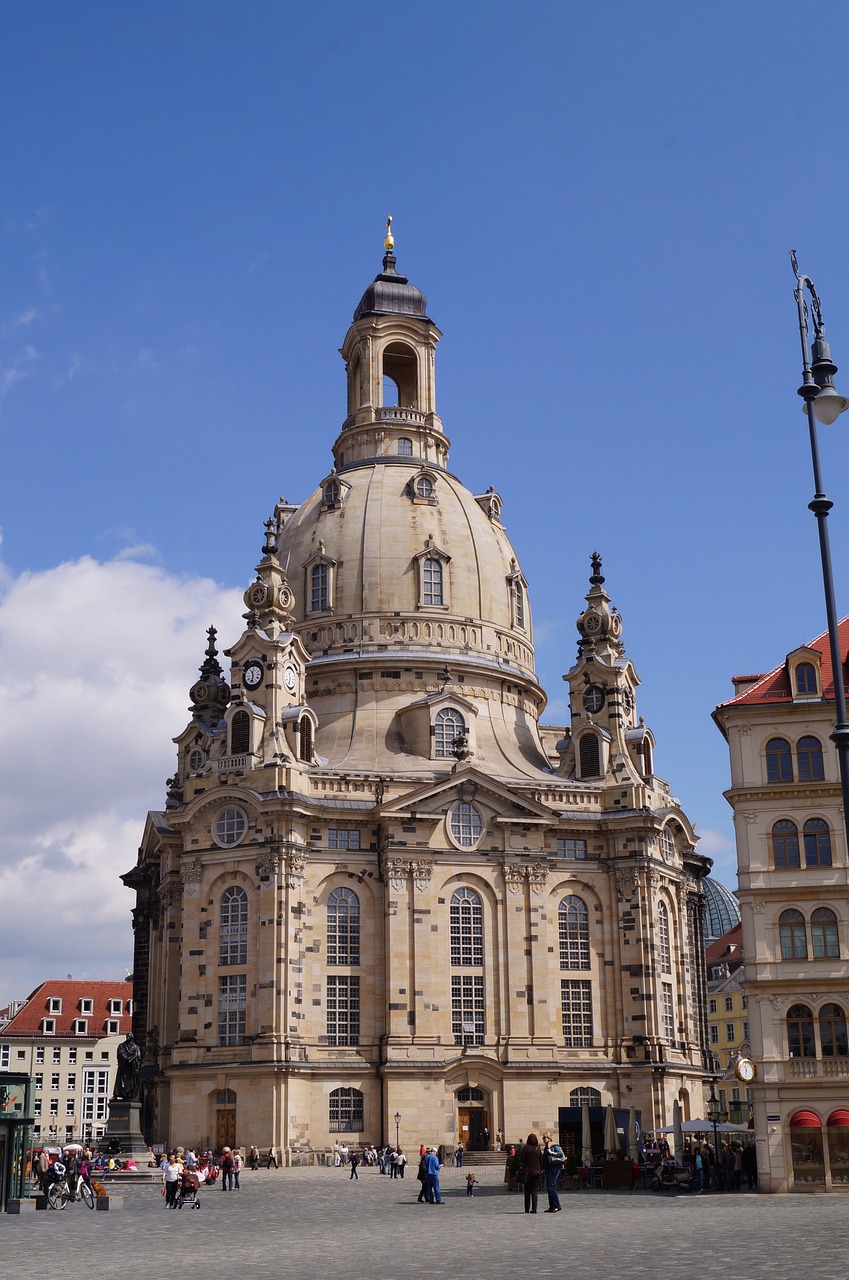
(354, 1161)
(553, 1161)
(272, 1158)
(237, 1168)
(421, 1174)
(699, 1166)
(400, 1162)
(227, 1170)
(254, 1157)
(531, 1159)
(432, 1167)
(458, 1155)
(171, 1178)
(485, 1136)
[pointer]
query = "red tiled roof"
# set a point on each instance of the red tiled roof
(774, 687)
(718, 953)
(27, 1021)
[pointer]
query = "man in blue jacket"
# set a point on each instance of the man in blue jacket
(431, 1168)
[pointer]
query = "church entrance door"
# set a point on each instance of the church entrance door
(471, 1122)
(226, 1129)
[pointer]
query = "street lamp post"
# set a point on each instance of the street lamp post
(397, 1128)
(715, 1114)
(824, 404)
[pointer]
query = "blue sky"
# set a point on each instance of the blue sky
(598, 201)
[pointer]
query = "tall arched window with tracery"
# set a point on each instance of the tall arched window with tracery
(800, 1032)
(468, 1010)
(447, 726)
(791, 931)
(574, 930)
(233, 925)
(432, 592)
(343, 927)
(664, 950)
(825, 943)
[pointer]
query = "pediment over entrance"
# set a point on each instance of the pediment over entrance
(464, 787)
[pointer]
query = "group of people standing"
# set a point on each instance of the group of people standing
(541, 1165)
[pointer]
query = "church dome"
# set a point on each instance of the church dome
(722, 910)
(403, 556)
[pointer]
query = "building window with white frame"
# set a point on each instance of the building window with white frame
(576, 1007)
(448, 725)
(466, 824)
(343, 927)
(343, 1010)
(468, 1013)
(232, 1004)
(466, 925)
(667, 1011)
(432, 585)
(574, 931)
(343, 838)
(95, 1094)
(663, 946)
(233, 920)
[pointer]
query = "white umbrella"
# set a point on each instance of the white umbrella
(678, 1132)
(72, 1146)
(611, 1141)
(633, 1142)
(586, 1138)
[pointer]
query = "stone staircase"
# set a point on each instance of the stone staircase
(478, 1158)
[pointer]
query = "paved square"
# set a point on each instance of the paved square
(318, 1223)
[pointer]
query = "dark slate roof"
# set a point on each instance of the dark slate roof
(391, 294)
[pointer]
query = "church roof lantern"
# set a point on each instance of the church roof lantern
(391, 293)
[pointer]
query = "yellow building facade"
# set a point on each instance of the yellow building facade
(379, 883)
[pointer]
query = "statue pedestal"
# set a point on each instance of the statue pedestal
(124, 1128)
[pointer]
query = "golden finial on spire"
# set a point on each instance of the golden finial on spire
(389, 239)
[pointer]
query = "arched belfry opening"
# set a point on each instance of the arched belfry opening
(400, 376)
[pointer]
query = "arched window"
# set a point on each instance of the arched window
(809, 759)
(305, 739)
(466, 928)
(405, 447)
(791, 929)
(785, 844)
(346, 1111)
(574, 934)
(518, 604)
(667, 842)
(779, 761)
(832, 1024)
(824, 940)
(240, 733)
(471, 1095)
(800, 1032)
(806, 678)
(590, 756)
(817, 838)
(225, 1098)
(432, 581)
(343, 927)
(318, 588)
(590, 1097)
(466, 824)
(233, 919)
(424, 487)
(332, 492)
(447, 726)
(663, 948)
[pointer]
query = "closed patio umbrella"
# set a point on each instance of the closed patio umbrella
(678, 1133)
(633, 1142)
(611, 1141)
(586, 1139)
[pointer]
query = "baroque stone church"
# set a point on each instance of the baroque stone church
(381, 891)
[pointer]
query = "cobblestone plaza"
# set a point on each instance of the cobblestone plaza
(319, 1223)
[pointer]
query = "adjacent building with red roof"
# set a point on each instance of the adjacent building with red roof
(794, 902)
(65, 1035)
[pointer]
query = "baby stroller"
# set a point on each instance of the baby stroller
(189, 1187)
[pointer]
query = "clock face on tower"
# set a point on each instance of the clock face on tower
(290, 678)
(252, 674)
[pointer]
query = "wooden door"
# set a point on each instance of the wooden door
(464, 1129)
(226, 1129)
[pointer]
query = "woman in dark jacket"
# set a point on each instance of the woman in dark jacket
(532, 1169)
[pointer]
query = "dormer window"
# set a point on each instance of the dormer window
(54, 1004)
(86, 1005)
(320, 581)
(433, 577)
(333, 492)
(48, 1026)
(116, 1006)
(422, 488)
(804, 673)
(806, 679)
(80, 1027)
(113, 1027)
(518, 587)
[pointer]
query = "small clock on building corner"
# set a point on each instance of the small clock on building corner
(252, 674)
(745, 1070)
(290, 677)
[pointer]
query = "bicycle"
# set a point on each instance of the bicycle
(59, 1194)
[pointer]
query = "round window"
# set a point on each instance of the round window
(466, 825)
(230, 826)
(424, 487)
(196, 760)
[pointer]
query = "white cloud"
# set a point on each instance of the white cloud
(713, 843)
(97, 659)
(22, 321)
(17, 369)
